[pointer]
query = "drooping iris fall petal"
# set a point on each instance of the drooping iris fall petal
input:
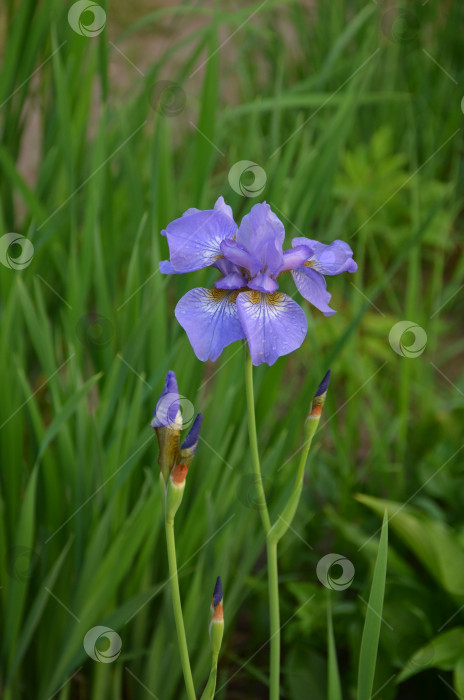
(313, 287)
(209, 317)
(274, 324)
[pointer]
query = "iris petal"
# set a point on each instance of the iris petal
(312, 286)
(263, 283)
(209, 317)
(166, 268)
(296, 257)
(274, 324)
(194, 240)
(225, 208)
(219, 205)
(329, 259)
(262, 234)
(232, 281)
(167, 406)
(237, 254)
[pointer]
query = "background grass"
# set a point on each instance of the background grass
(354, 112)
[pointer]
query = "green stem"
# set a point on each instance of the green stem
(210, 688)
(274, 616)
(177, 607)
(263, 511)
(272, 568)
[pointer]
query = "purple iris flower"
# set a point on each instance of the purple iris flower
(245, 302)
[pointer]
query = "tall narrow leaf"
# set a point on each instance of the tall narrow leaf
(371, 633)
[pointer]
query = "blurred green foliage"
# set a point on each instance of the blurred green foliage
(354, 112)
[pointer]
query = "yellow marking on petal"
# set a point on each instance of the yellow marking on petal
(254, 296)
(232, 298)
(217, 294)
(274, 299)
(309, 263)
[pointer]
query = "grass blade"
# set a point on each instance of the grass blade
(371, 632)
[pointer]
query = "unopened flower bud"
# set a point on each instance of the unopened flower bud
(216, 627)
(190, 444)
(167, 423)
(317, 405)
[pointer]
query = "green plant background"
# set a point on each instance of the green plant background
(354, 112)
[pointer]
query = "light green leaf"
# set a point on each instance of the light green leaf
(442, 652)
(432, 542)
(371, 633)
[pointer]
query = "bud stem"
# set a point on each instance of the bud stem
(176, 602)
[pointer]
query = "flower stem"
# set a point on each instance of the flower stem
(272, 569)
(274, 616)
(263, 511)
(177, 607)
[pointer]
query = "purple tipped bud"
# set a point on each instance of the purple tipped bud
(216, 627)
(317, 404)
(217, 595)
(324, 385)
(194, 433)
(190, 444)
(167, 407)
(167, 423)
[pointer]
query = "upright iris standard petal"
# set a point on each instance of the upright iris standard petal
(194, 240)
(274, 324)
(329, 259)
(209, 317)
(313, 287)
(262, 234)
(238, 255)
